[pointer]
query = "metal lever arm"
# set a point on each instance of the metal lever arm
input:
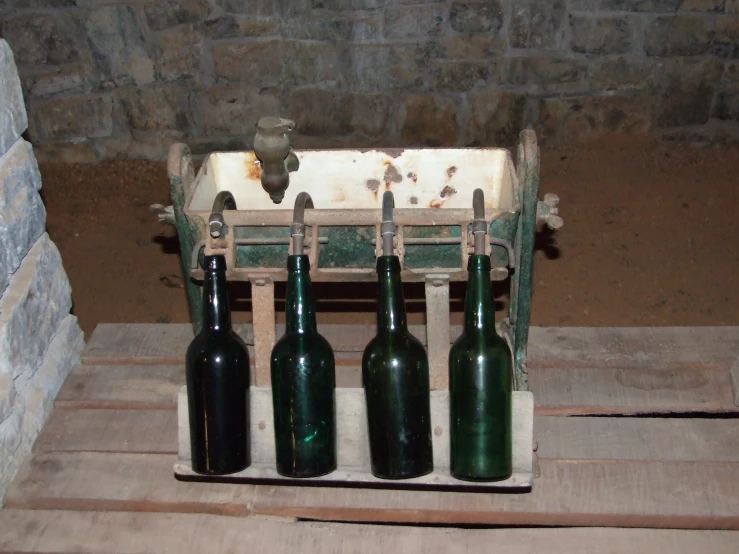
(297, 229)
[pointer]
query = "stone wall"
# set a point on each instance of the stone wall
(109, 78)
(39, 340)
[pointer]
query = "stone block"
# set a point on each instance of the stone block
(22, 213)
(178, 53)
(536, 24)
(726, 41)
(118, 45)
(679, 35)
(460, 76)
(702, 5)
(654, 6)
(76, 117)
(44, 38)
(476, 17)
(161, 14)
(602, 34)
(572, 119)
(624, 74)
(10, 440)
(140, 145)
(422, 21)
(224, 26)
(68, 79)
(7, 396)
(382, 67)
(429, 121)
(158, 109)
(36, 301)
(726, 105)
(495, 119)
(688, 88)
(256, 62)
(547, 72)
(456, 47)
(731, 72)
(13, 119)
(308, 62)
(225, 110)
(336, 26)
(324, 113)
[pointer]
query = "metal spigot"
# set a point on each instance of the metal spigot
(387, 227)
(297, 229)
(224, 201)
(272, 149)
(547, 211)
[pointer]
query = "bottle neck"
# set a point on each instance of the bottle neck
(479, 309)
(390, 305)
(216, 313)
(300, 310)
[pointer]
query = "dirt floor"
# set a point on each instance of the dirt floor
(649, 239)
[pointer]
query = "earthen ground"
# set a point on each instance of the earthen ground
(650, 239)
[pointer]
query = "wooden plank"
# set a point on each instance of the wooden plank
(135, 431)
(567, 438)
(623, 438)
(115, 481)
(633, 347)
(561, 347)
(146, 387)
(556, 391)
(583, 391)
(47, 531)
(687, 495)
(352, 444)
(263, 334)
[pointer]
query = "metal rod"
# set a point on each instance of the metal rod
(272, 241)
(387, 228)
(196, 254)
(297, 229)
(509, 248)
(224, 201)
(430, 241)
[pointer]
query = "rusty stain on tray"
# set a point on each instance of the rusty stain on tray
(451, 171)
(447, 191)
(252, 166)
(413, 177)
(373, 185)
(413, 200)
(392, 175)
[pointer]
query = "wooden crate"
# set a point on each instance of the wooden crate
(353, 456)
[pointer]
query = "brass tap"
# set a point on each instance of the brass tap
(272, 149)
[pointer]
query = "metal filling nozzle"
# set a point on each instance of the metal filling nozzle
(297, 229)
(479, 225)
(387, 227)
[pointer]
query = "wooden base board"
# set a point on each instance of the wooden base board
(353, 457)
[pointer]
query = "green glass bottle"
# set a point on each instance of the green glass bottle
(217, 370)
(303, 384)
(395, 376)
(480, 386)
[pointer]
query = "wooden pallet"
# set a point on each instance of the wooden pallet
(100, 478)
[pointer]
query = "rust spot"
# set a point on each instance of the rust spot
(451, 171)
(447, 191)
(373, 185)
(436, 203)
(252, 166)
(413, 177)
(392, 175)
(414, 200)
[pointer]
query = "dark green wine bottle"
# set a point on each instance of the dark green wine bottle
(395, 376)
(303, 384)
(217, 367)
(480, 386)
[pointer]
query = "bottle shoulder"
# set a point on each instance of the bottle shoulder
(209, 344)
(309, 342)
(395, 346)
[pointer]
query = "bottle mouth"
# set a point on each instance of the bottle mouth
(215, 263)
(298, 262)
(478, 262)
(388, 264)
